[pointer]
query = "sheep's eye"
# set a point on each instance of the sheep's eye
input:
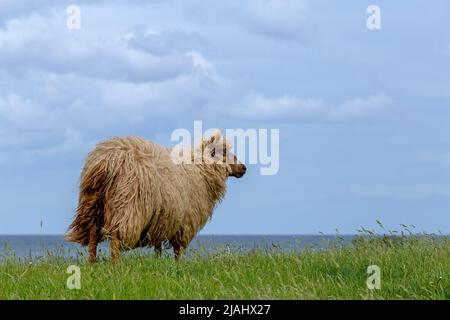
(213, 153)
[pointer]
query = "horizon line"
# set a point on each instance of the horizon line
(245, 234)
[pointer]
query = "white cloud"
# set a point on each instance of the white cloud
(275, 18)
(49, 104)
(14, 8)
(10, 8)
(62, 89)
(295, 108)
(285, 107)
(358, 108)
(40, 42)
(161, 42)
(70, 141)
(21, 113)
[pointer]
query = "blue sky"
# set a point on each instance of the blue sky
(364, 116)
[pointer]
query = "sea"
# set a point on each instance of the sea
(30, 247)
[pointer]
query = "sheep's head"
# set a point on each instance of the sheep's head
(217, 150)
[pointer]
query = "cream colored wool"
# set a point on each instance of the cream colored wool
(132, 186)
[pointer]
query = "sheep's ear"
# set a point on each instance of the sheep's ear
(214, 138)
(218, 135)
(209, 141)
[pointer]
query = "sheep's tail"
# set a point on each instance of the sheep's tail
(90, 211)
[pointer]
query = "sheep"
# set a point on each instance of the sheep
(133, 193)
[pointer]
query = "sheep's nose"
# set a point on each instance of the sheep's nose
(244, 168)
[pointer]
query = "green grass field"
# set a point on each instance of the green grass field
(413, 267)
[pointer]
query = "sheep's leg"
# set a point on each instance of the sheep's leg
(179, 244)
(158, 250)
(178, 250)
(115, 246)
(93, 243)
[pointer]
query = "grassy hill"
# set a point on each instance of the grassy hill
(412, 267)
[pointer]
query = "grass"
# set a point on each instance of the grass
(412, 267)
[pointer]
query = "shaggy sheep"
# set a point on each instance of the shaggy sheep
(135, 195)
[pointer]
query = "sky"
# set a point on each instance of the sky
(363, 115)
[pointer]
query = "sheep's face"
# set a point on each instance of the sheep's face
(238, 169)
(217, 150)
(234, 167)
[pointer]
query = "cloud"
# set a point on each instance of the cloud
(162, 42)
(12, 8)
(294, 108)
(25, 44)
(20, 113)
(61, 90)
(51, 104)
(358, 108)
(259, 107)
(273, 18)
(15, 9)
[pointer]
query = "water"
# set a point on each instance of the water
(35, 247)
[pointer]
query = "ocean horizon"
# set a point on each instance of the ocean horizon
(34, 247)
(38, 246)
